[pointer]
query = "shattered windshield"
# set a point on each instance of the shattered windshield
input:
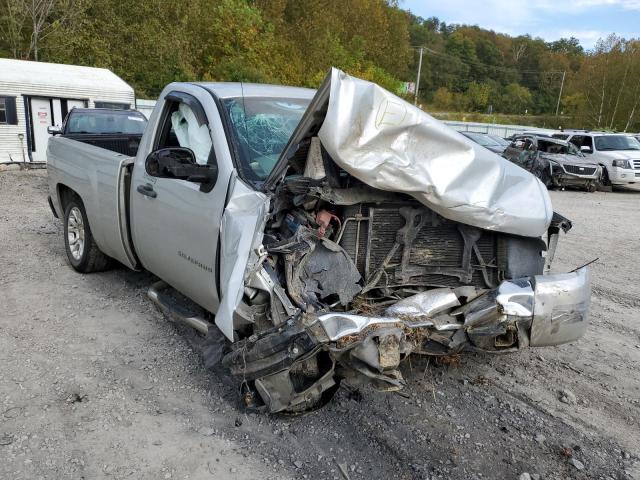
(262, 127)
(616, 142)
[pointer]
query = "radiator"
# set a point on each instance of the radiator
(435, 257)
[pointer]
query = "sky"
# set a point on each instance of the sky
(587, 20)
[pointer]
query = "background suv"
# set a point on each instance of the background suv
(618, 154)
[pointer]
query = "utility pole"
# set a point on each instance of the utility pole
(560, 93)
(415, 100)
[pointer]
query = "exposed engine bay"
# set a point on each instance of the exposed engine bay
(345, 246)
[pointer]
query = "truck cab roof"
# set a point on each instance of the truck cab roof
(241, 89)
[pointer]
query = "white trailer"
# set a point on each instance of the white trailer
(36, 95)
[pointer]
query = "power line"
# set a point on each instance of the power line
(495, 67)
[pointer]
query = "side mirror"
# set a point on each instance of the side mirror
(585, 149)
(54, 130)
(179, 163)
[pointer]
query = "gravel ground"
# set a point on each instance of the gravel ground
(96, 384)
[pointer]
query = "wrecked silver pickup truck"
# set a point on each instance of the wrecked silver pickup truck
(325, 238)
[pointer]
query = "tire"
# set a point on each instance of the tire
(82, 252)
(605, 178)
(547, 180)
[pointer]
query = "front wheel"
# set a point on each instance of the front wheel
(546, 178)
(82, 251)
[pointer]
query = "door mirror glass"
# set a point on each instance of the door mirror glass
(179, 163)
(54, 130)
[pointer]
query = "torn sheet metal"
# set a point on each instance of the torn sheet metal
(392, 145)
(241, 234)
(427, 303)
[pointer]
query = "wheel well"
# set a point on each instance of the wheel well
(65, 194)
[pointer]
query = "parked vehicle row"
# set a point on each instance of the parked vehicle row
(572, 158)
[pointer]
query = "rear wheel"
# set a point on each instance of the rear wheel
(82, 251)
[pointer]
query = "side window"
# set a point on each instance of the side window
(183, 128)
(588, 142)
(3, 111)
(582, 141)
(8, 114)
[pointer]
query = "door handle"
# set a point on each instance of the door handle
(147, 190)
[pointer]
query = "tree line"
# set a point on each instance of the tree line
(465, 68)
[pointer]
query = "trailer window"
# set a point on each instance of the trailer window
(3, 111)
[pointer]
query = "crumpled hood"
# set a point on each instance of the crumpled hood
(563, 159)
(391, 145)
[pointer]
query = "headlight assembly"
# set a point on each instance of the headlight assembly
(622, 163)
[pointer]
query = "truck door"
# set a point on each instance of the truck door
(175, 224)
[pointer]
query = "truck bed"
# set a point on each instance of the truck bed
(101, 178)
(119, 143)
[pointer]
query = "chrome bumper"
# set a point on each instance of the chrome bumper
(561, 309)
(539, 311)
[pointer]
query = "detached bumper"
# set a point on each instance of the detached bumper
(536, 311)
(561, 307)
(544, 309)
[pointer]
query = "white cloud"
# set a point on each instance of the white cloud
(540, 18)
(588, 38)
(625, 4)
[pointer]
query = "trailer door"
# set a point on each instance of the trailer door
(41, 118)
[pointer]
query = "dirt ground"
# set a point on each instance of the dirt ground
(95, 383)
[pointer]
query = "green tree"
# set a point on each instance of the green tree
(515, 99)
(443, 98)
(478, 96)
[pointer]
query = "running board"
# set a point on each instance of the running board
(173, 310)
